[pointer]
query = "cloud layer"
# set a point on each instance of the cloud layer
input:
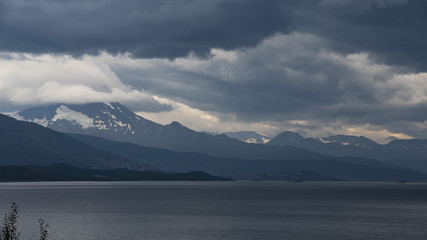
(149, 28)
(286, 82)
(317, 67)
(291, 78)
(391, 30)
(28, 80)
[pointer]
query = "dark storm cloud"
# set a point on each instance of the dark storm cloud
(149, 28)
(290, 77)
(393, 30)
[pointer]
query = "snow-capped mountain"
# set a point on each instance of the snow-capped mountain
(295, 139)
(115, 122)
(110, 120)
(336, 141)
(249, 137)
(405, 153)
(346, 140)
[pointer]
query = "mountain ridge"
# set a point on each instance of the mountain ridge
(408, 153)
(354, 169)
(115, 122)
(26, 143)
(249, 136)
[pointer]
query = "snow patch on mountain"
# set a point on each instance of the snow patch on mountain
(249, 137)
(16, 116)
(41, 121)
(121, 124)
(100, 125)
(324, 140)
(44, 122)
(111, 106)
(251, 140)
(64, 113)
(109, 114)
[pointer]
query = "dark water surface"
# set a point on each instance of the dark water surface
(216, 210)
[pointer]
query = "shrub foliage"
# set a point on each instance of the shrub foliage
(9, 230)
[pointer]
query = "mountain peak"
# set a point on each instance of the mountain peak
(175, 124)
(107, 118)
(358, 141)
(249, 136)
(289, 137)
(25, 143)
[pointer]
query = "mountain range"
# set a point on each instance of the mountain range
(115, 122)
(24, 143)
(117, 137)
(410, 153)
(339, 168)
(30, 152)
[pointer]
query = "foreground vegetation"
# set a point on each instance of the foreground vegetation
(9, 230)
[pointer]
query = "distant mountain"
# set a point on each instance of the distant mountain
(249, 137)
(355, 169)
(294, 139)
(404, 153)
(116, 122)
(24, 143)
(362, 142)
(109, 120)
(409, 153)
(63, 172)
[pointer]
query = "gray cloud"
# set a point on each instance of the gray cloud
(149, 28)
(287, 78)
(392, 31)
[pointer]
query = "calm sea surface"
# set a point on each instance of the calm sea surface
(215, 210)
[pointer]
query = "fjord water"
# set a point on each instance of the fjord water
(220, 210)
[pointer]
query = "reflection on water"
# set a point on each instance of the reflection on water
(220, 210)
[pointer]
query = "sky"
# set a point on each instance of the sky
(318, 67)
